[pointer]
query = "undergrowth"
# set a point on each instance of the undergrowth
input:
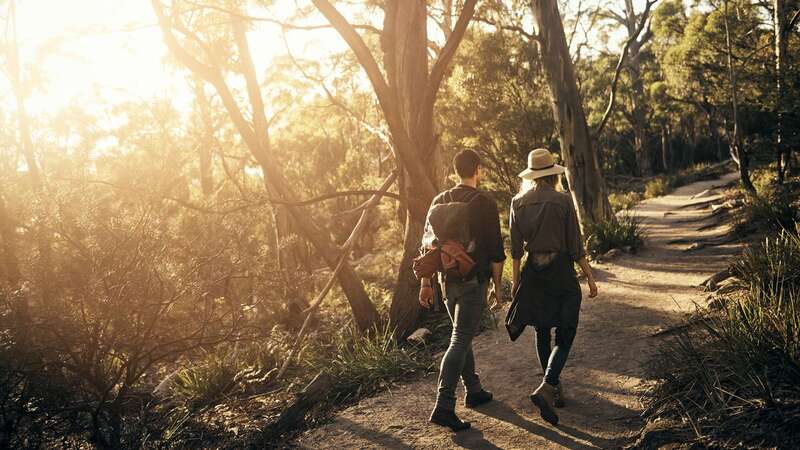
(735, 381)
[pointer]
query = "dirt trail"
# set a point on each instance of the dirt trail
(639, 295)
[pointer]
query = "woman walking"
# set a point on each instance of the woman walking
(546, 293)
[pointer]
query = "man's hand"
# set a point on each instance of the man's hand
(426, 295)
(592, 288)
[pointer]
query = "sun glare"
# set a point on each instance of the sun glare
(100, 52)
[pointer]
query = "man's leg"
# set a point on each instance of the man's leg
(465, 305)
(564, 339)
(471, 380)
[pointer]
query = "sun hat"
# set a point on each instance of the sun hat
(541, 164)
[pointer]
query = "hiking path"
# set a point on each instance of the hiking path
(640, 295)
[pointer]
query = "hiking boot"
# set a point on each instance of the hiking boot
(448, 419)
(543, 398)
(477, 398)
(558, 398)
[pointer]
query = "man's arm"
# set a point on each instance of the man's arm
(497, 254)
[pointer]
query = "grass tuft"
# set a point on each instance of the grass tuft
(624, 201)
(624, 233)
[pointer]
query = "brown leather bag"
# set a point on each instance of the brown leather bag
(450, 258)
(427, 264)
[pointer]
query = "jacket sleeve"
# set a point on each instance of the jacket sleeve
(517, 249)
(492, 228)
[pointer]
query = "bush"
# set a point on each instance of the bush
(657, 187)
(770, 211)
(623, 201)
(623, 233)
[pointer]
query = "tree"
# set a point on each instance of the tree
(407, 96)
(738, 152)
(585, 179)
(638, 34)
(255, 134)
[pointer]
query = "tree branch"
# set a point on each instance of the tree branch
(613, 96)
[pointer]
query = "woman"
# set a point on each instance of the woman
(547, 294)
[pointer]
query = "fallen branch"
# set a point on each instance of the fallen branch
(312, 309)
(710, 284)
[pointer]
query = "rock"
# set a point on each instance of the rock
(611, 254)
(421, 336)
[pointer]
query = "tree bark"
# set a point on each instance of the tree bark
(738, 153)
(583, 172)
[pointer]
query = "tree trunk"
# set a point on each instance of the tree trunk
(407, 97)
(781, 148)
(665, 144)
(405, 40)
(639, 113)
(10, 263)
(737, 151)
(583, 173)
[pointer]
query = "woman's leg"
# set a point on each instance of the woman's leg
(543, 346)
(558, 358)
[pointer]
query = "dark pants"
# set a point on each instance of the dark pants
(465, 303)
(553, 361)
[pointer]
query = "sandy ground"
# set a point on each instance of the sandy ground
(639, 295)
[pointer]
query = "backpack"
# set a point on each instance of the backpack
(447, 241)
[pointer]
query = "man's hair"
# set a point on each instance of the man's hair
(466, 163)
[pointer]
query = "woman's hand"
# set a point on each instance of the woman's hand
(426, 296)
(592, 288)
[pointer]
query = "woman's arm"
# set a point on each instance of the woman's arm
(514, 276)
(587, 270)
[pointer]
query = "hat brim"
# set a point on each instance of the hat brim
(531, 174)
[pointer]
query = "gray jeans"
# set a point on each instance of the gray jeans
(465, 304)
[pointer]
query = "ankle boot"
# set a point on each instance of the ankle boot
(543, 398)
(558, 398)
(477, 398)
(448, 419)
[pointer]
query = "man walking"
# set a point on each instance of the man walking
(466, 297)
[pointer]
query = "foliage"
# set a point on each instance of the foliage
(624, 233)
(657, 187)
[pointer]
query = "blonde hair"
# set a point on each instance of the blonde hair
(552, 180)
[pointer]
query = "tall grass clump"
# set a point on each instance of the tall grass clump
(363, 364)
(773, 266)
(625, 232)
(736, 379)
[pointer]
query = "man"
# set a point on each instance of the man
(466, 296)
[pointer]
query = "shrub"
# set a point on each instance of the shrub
(771, 211)
(623, 233)
(657, 187)
(623, 201)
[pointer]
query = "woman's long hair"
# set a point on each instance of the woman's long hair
(527, 185)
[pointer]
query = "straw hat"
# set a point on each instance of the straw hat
(541, 164)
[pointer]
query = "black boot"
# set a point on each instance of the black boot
(448, 419)
(477, 398)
